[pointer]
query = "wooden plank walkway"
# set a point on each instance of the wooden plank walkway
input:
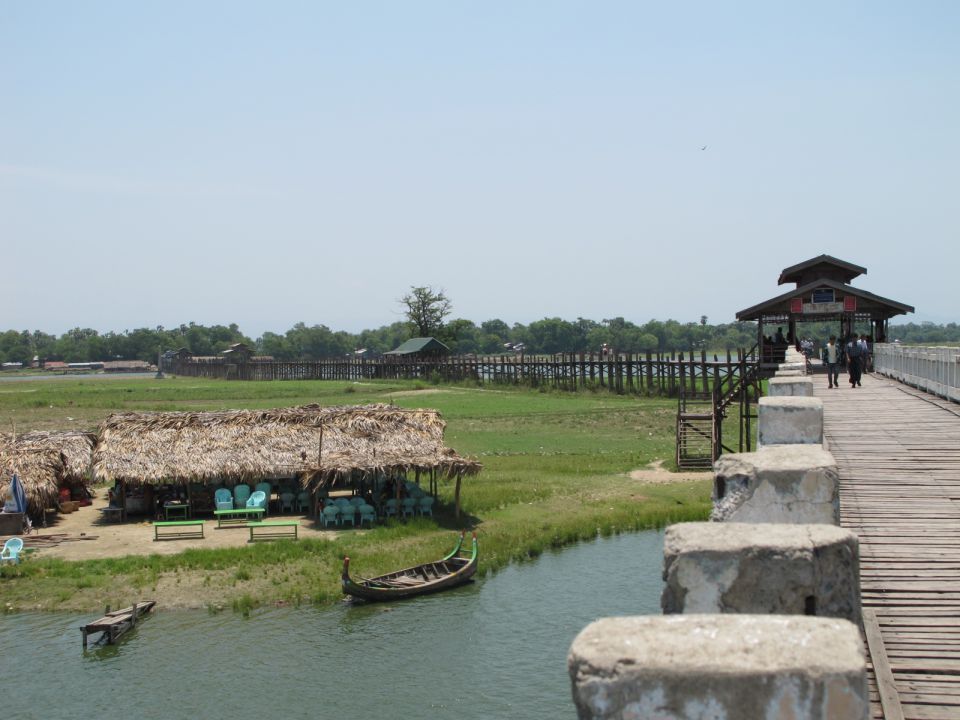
(898, 452)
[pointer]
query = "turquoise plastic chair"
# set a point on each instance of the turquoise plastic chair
(408, 506)
(342, 503)
(425, 506)
(11, 550)
(303, 501)
(348, 514)
(257, 500)
(330, 515)
(241, 493)
(357, 501)
(267, 489)
(367, 514)
(223, 499)
(286, 502)
(390, 508)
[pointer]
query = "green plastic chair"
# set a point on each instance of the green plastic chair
(390, 508)
(408, 506)
(303, 501)
(286, 502)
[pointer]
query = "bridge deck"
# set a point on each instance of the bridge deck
(898, 452)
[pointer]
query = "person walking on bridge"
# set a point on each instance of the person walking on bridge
(854, 351)
(832, 356)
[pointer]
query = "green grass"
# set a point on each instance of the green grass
(555, 471)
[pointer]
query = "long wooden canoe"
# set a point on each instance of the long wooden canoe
(454, 569)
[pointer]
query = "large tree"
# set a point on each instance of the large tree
(425, 309)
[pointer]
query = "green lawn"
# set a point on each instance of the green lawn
(555, 470)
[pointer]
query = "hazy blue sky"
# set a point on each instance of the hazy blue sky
(274, 162)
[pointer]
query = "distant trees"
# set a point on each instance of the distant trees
(303, 342)
(426, 309)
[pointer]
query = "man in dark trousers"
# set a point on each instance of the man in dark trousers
(854, 353)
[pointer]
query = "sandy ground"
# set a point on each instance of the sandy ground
(88, 537)
(654, 474)
(85, 536)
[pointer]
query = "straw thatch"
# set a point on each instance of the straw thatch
(321, 444)
(76, 446)
(44, 461)
(40, 470)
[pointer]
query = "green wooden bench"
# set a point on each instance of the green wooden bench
(273, 530)
(238, 517)
(175, 529)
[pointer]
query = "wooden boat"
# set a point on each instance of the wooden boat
(454, 569)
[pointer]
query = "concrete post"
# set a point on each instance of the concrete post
(792, 366)
(791, 421)
(734, 667)
(787, 385)
(777, 484)
(764, 568)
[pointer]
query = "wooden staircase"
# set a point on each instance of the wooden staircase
(700, 416)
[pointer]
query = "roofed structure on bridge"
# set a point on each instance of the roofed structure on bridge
(823, 293)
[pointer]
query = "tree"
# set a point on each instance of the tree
(426, 309)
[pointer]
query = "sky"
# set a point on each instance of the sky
(268, 163)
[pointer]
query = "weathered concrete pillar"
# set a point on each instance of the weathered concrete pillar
(777, 484)
(729, 667)
(764, 568)
(799, 367)
(795, 385)
(791, 421)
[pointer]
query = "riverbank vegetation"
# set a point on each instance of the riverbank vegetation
(556, 470)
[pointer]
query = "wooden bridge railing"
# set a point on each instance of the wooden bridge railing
(651, 373)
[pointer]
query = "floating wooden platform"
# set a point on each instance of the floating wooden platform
(114, 624)
(898, 452)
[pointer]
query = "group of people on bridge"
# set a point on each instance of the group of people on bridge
(854, 354)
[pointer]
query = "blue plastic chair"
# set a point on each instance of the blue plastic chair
(241, 493)
(223, 499)
(390, 508)
(286, 502)
(408, 506)
(330, 515)
(257, 500)
(11, 550)
(367, 514)
(356, 501)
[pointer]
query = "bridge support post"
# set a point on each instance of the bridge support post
(696, 666)
(762, 568)
(791, 421)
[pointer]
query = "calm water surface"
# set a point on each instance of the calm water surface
(494, 649)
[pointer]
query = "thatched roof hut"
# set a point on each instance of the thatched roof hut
(322, 444)
(44, 461)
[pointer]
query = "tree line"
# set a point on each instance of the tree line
(303, 342)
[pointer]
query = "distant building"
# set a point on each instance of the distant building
(238, 353)
(427, 347)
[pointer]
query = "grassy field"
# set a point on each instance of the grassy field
(556, 470)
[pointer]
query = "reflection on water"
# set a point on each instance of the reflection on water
(492, 649)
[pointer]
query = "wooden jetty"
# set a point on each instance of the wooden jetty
(114, 624)
(898, 452)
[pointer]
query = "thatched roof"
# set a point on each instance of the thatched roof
(321, 443)
(43, 461)
(76, 446)
(39, 469)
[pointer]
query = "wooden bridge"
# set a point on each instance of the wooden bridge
(898, 452)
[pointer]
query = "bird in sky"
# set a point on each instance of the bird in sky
(704, 147)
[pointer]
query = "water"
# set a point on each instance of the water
(494, 649)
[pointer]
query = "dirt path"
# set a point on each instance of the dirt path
(654, 474)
